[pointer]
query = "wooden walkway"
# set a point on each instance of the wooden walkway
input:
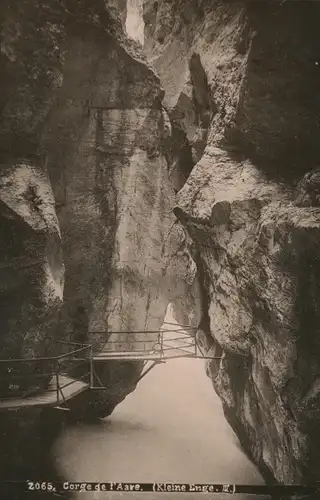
(153, 348)
(69, 388)
(138, 356)
(170, 344)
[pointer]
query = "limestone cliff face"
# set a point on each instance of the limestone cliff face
(89, 242)
(240, 83)
(31, 262)
(114, 199)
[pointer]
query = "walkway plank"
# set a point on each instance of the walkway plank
(127, 355)
(47, 397)
(141, 355)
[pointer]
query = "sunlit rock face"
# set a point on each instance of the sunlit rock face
(134, 20)
(121, 243)
(240, 83)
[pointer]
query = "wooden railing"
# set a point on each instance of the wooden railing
(160, 341)
(18, 378)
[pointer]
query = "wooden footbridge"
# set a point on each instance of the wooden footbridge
(55, 380)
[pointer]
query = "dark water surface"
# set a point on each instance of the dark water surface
(26, 454)
(171, 429)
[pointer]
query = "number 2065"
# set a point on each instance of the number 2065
(40, 486)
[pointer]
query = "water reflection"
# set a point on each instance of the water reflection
(25, 453)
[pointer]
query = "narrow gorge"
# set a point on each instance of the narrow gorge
(176, 168)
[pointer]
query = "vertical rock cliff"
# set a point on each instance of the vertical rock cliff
(90, 243)
(241, 84)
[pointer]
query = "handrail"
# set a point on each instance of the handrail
(45, 358)
(178, 338)
(69, 342)
(28, 360)
(66, 369)
(81, 349)
(183, 333)
(181, 344)
(178, 324)
(127, 332)
(31, 375)
(63, 370)
(73, 381)
(133, 341)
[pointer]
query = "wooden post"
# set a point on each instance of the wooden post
(161, 343)
(91, 368)
(57, 381)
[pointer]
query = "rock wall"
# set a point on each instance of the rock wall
(32, 268)
(114, 198)
(90, 243)
(240, 84)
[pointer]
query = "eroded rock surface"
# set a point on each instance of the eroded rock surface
(32, 272)
(240, 82)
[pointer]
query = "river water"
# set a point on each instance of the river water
(170, 429)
